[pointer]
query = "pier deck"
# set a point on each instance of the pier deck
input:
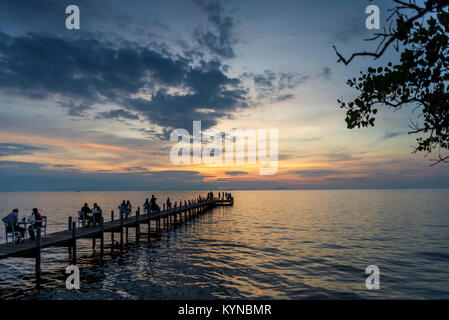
(67, 238)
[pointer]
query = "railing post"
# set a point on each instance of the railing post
(102, 237)
(121, 230)
(159, 220)
(149, 225)
(70, 223)
(137, 224)
(38, 254)
(73, 243)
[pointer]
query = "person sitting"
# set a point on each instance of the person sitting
(11, 221)
(37, 217)
(87, 214)
(97, 213)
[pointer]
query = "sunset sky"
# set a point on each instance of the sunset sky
(92, 109)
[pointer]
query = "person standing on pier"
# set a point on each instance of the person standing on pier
(168, 203)
(154, 206)
(128, 209)
(147, 206)
(122, 208)
(97, 214)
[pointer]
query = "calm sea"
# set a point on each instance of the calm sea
(271, 244)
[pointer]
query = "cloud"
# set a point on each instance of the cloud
(349, 29)
(164, 89)
(63, 166)
(117, 114)
(75, 110)
(316, 173)
(220, 41)
(30, 176)
(14, 149)
(341, 156)
(236, 173)
(325, 73)
(389, 135)
(272, 85)
(137, 169)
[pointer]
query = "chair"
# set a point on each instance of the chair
(13, 234)
(81, 219)
(44, 225)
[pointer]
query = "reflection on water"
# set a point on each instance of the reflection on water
(271, 244)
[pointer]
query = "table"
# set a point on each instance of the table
(25, 222)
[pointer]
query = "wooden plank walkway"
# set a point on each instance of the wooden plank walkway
(67, 238)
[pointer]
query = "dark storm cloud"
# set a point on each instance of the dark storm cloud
(14, 149)
(220, 41)
(87, 71)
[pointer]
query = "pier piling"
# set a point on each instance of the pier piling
(102, 237)
(121, 230)
(137, 224)
(74, 243)
(38, 254)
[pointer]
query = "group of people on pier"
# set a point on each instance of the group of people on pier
(91, 216)
(224, 195)
(12, 223)
(125, 208)
(150, 206)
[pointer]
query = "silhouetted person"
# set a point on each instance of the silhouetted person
(122, 208)
(147, 206)
(128, 209)
(168, 203)
(11, 221)
(87, 214)
(97, 213)
(154, 206)
(37, 224)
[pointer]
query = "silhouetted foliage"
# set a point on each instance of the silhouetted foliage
(419, 81)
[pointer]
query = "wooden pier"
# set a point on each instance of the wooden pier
(162, 220)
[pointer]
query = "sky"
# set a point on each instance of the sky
(93, 109)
